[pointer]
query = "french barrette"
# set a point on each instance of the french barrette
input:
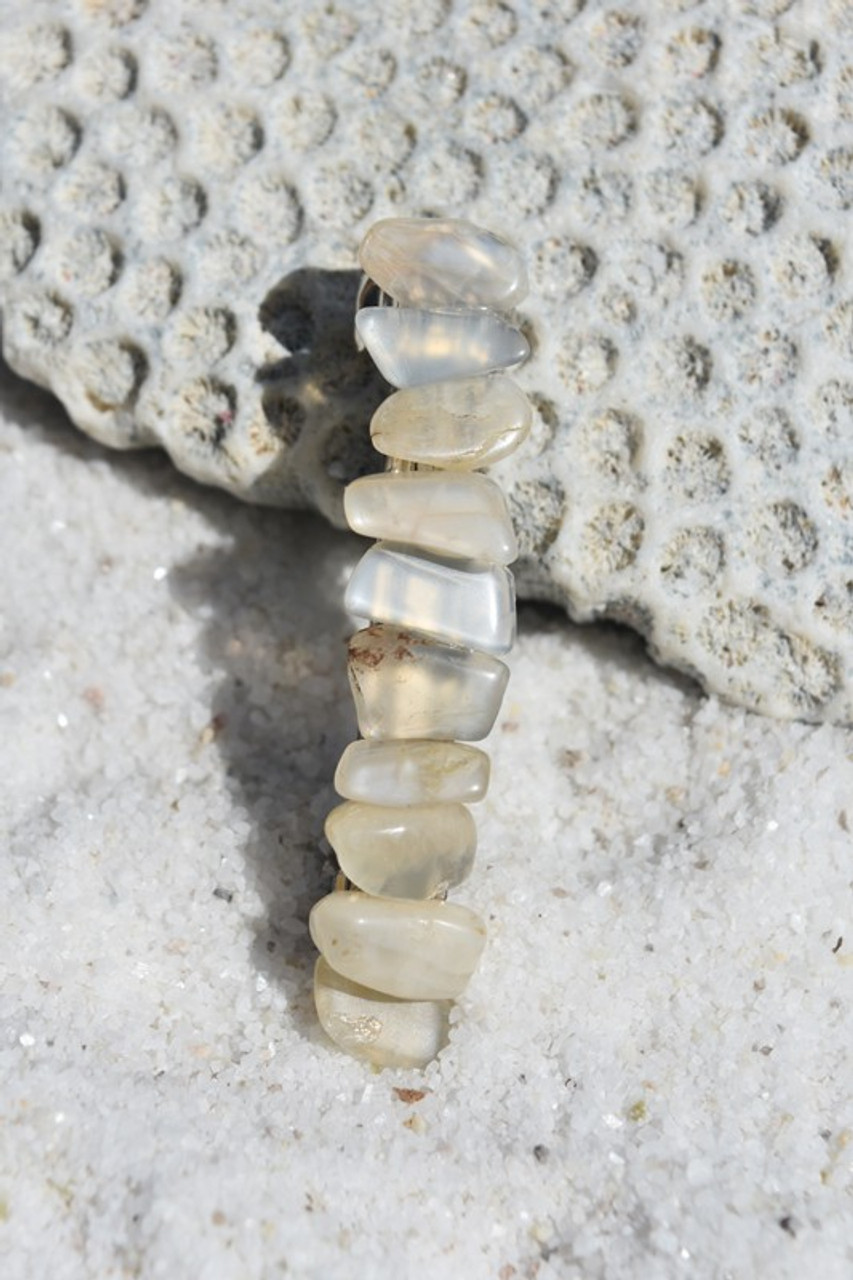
(426, 674)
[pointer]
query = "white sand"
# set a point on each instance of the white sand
(649, 1075)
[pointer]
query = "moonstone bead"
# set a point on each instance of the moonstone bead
(411, 772)
(377, 1028)
(410, 686)
(413, 347)
(466, 603)
(469, 423)
(457, 515)
(434, 262)
(417, 852)
(414, 950)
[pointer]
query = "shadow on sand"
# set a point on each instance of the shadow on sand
(273, 644)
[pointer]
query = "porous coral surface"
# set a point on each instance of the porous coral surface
(183, 187)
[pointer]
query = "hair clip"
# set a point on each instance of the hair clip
(426, 674)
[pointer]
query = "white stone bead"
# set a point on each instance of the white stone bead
(417, 852)
(414, 347)
(451, 514)
(378, 1028)
(407, 685)
(470, 604)
(469, 423)
(430, 262)
(411, 772)
(413, 950)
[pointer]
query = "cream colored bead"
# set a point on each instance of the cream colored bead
(407, 685)
(417, 852)
(428, 262)
(378, 1028)
(469, 604)
(414, 950)
(412, 772)
(469, 423)
(413, 347)
(450, 514)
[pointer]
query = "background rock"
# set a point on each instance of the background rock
(184, 186)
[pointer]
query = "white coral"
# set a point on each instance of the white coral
(183, 185)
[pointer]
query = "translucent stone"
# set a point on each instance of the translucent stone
(412, 772)
(410, 686)
(451, 514)
(434, 262)
(469, 423)
(466, 603)
(417, 852)
(413, 347)
(377, 1028)
(414, 950)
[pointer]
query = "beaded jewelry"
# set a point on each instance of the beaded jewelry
(425, 674)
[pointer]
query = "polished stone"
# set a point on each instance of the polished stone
(468, 604)
(434, 262)
(464, 424)
(416, 852)
(414, 950)
(408, 685)
(413, 347)
(412, 771)
(449, 513)
(378, 1028)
